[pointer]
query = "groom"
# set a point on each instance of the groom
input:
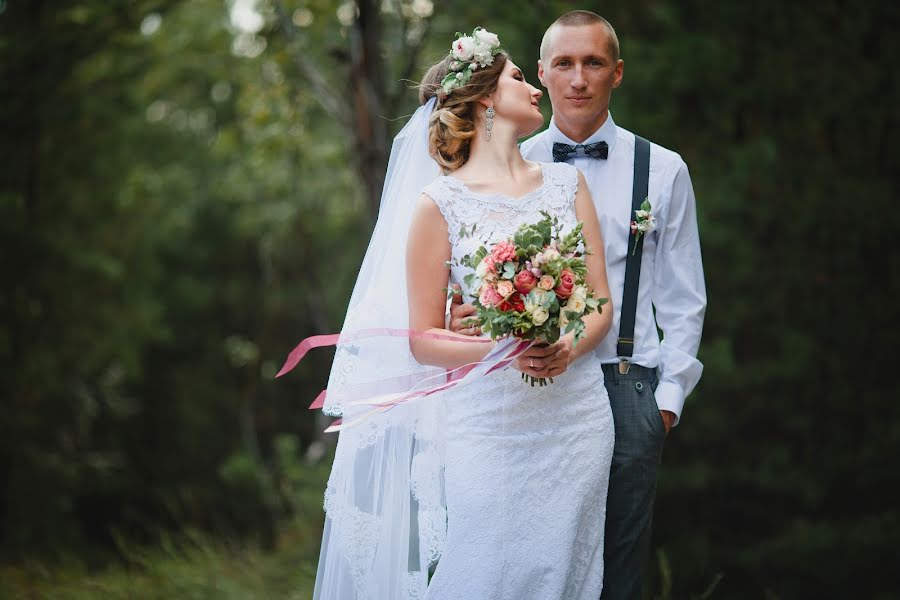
(647, 379)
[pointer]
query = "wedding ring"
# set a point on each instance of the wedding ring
(532, 363)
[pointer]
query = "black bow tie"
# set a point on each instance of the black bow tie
(563, 152)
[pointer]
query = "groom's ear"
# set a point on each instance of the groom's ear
(620, 70)
(541, 72)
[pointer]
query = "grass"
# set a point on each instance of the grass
(196, 566)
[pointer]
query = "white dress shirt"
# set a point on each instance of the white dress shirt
(671, 266)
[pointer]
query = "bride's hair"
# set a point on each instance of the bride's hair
(452, 124)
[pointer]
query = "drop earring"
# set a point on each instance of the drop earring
(489, 122)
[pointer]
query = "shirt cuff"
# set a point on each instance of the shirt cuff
(670, 396)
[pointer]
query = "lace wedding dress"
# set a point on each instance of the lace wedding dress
(526, 468)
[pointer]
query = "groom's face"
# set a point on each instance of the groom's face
(580, 72)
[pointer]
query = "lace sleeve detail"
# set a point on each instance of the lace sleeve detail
(445, 192)
(562, 186)
(564, 177)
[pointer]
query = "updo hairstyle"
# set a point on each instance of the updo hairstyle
(452, 124)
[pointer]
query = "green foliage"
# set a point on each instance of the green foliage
(165, 212)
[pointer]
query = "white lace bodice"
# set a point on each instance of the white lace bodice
(496, 217)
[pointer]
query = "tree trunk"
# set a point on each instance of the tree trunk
(367, 82)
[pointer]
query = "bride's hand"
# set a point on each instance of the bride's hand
(462, 316)
(546, 361)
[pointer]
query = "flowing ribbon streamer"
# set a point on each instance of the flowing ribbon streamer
(500, 357)
(318, 341)
(497, 359)
(491, 362)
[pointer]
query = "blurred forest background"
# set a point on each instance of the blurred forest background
(187, 189)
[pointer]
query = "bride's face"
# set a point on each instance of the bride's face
(517, 101)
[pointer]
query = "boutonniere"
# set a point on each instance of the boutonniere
(644, 222)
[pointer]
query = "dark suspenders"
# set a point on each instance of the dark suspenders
(639, 192)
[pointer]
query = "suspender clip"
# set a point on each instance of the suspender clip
(624, 365)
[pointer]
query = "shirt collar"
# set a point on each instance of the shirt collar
(606, 133)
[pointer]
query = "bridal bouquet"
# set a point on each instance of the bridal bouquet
(533, 286)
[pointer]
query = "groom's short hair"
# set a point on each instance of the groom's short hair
(577, 18)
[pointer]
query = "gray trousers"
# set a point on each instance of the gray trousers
(640, 433)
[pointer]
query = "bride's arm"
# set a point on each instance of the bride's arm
(427, 275)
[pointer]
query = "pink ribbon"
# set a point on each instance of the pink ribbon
(318, 341)
(497, 359)
(509, 353)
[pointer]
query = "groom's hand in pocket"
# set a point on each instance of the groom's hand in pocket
(668, 418)
(462, 316)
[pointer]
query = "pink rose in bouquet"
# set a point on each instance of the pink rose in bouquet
(566, 284)
(489, 295)
(525, 281)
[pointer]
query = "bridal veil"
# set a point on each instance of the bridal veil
(385, 507)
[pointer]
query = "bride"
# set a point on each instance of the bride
(495, 489)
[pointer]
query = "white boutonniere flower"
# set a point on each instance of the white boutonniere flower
(644, 222)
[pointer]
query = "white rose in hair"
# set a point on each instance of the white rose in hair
(487, 38)
(483, 55)
(463, 48)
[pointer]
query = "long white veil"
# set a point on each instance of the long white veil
(385, 508)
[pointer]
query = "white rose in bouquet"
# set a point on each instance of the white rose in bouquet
(577, 301)
(539, 315)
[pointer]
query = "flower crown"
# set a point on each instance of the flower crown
(470, 52)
